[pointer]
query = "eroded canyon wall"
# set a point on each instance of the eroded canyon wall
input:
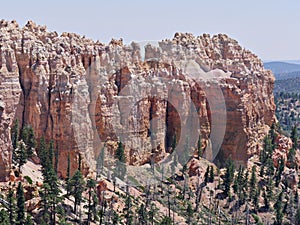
(77, 92)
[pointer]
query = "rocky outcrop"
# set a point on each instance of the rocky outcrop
(85, 95)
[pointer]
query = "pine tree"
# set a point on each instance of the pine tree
(270, 167)
(206, 175)
(211, 175)
(54, 194)
(278, 210)
(50, 196)
(128, 211)
(266, 201)
(20, 155)
(56, 154)
(100, 161)
(297, 217)
(199, 147)
(279, 171)
(121, 160)
(24, 134)
(20, 205)
(174, 141)
(15, 134)
(253, 182)
(91, 206)
(263, 156)
(4, 219)
(45, 203)
(68, 177)
(185, 157)
(27, 135)
(294, 137)
(42, 153)
(190, 213)
(273, 136)
(50, 192)
(115, 218)
(28, 220)
(31, 142)
(229, 175)
(291, 158)
(50, 154)
(270, 189)
(255, 199)
(166, 221)
(77, 188)
(11, 206)
(142, 214)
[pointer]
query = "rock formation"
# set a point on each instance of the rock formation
(85, 95)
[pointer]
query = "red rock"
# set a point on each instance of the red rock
(52, 69)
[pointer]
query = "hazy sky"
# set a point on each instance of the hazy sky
(268, 28)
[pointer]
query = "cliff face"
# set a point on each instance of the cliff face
(84, 95)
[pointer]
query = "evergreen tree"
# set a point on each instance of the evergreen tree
(297, 217)
(27, 136)
(142, 214)
(120, 169)
(128, 211)
(229, 175)
(15, 134)
(45, 203)
(77, 188)
(20, 205)
(31, 142)
(50, 192)
(253, 182)
(115, 218)
(270, 189)
(266, 200)
(68, 178)
(20, 155)
(199, 147)
(279, 171)
(278, 210)
(54, 194)
(28, 220)
(91, 206)
(174, 141)
(206, 175)
(267, 150)
(50, 196)
(11, 206)
(56, 160)
(185, 157)
(4, 219)
(296, 199)
(211, 175)
(190, 213)
(262, 170)
(50, 154)
(100, 161)
(166, 221)
(43, 153)
(270, 167)
(273, 136)
(294, 137)
(255, 199)
(291, 158)
(24, 134)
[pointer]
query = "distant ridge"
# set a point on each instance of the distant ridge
(291, 85)
(283, 70)
(282, 67)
